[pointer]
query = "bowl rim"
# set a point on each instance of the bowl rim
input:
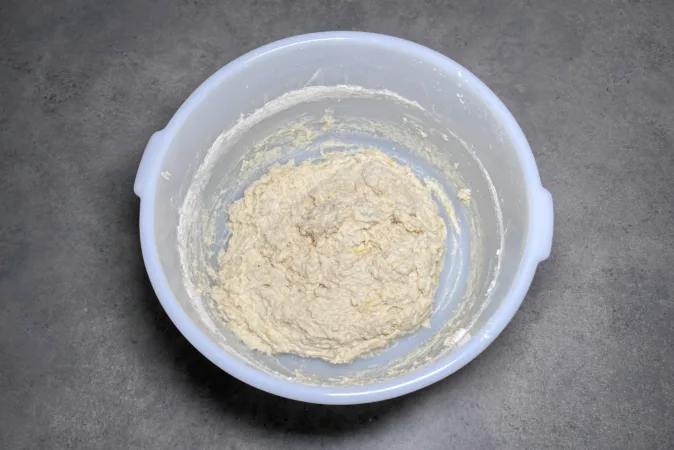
(537, 246)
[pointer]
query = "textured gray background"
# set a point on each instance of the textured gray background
(88, 359)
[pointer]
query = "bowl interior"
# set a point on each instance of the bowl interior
(342, 94)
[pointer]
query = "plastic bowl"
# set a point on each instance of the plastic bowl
(419, 106)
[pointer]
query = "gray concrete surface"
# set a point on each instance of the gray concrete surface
(89, 360)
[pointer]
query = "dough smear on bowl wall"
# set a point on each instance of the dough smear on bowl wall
(332, 259)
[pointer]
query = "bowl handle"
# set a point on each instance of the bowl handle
(150, 155)
(543, 223)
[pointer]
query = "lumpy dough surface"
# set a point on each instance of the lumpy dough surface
(332, 259)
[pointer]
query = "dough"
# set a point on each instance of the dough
(333, 259)
(464, 195)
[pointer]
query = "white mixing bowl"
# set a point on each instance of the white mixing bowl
(296, 97)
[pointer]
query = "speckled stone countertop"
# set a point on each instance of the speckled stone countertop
(88, 359)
